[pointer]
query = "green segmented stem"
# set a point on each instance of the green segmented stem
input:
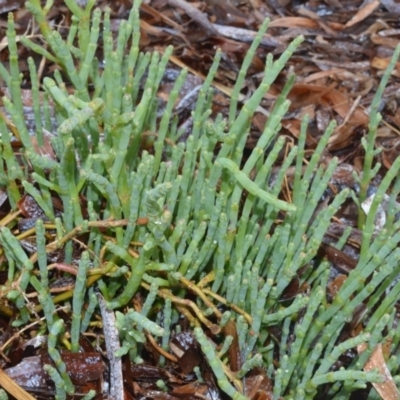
(73, 30)
(387, 303)
(216, 366)
(35, 100)
(64, 55)
(13, 245)
(39, 199)
(197, 221)
(197, 235)
(225, 346)
(78, 300)
(44, 182)
(58, 95)
(376, 336)
(167, 321)
(41, 251)
(55, 330)
(150, 299)
(67, 175)
(342, 376)
(255, 361)
(80, 117)
(257, 315)
(331, 358)
(45, 300)
(137, 187)
(301, 189)
(89, 312)
(14, 170)
(91, 47)
(201, 99)
(159, 144)
(369, 226)
(18, 121)
(138, 268)
(74, 8)
(253, 188)
(38, 49)
(320, 182)
(279, 377)
(374, 121)
(35, 8)
(240, 125)
(15, 77)
(243, 70)
(272, 125)
(145, 323)
(5, 75)
(312, 360)
(59, 383)
(106, 187)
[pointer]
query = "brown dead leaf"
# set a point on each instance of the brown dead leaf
(185, 346)
(382, 38)
(235, 361)
(291, 22)
(321, 74)
(337, 100)
(190, 390)
(382, 63)
(387, 390)
(314, 16)
(345, 136)
(258, 386)
(363, 13)
(152, 30)
(336, 284)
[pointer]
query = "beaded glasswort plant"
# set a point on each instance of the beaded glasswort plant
(176, 221)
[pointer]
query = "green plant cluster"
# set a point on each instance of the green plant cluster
(177, 218)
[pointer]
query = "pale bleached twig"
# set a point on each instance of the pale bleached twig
(112, 345)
